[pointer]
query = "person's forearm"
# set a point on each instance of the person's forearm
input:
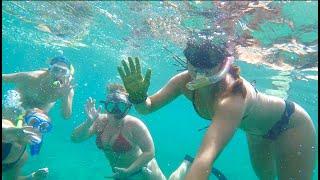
(81, 132)
(143, 159)
(200, 169)
(15, 175)
(28, 177)
(7, 78)
(67, 107)
(67, 111)
(14, 77)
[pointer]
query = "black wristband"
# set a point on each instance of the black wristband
(138, 100)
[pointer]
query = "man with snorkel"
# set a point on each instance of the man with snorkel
(40, 89)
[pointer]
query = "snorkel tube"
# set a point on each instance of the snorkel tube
(36, 140)
(205, 81)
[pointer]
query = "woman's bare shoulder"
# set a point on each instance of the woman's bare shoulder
(134, 122)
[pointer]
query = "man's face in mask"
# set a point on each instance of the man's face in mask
(59, 71)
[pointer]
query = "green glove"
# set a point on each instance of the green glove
(135, 84)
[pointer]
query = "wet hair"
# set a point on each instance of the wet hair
(207, 49)
(113, 87)
(237, 87)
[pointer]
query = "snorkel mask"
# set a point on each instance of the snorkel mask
(202, 80)
(206, 50)
(40, 122)
(117, 104)
(59, 71)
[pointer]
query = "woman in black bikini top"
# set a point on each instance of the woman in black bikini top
(224, 97)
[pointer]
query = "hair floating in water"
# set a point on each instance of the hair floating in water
(181, 62)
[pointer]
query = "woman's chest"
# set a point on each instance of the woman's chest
(111, 137)
(205, 105)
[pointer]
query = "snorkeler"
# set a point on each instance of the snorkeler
(280, 133)
(40, 89)
(124, 139)
(29, 130)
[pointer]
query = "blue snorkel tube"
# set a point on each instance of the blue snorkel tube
(35, 148)
(43, 126)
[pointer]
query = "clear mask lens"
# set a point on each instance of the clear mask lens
(110, 106)
(122, 106)
(59, 70)
(42, 125)
(204, 79)
(116, 107)
(32, 121)
(200, 75)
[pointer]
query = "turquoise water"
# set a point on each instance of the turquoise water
(174, 128)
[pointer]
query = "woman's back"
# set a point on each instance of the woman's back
(262, 110)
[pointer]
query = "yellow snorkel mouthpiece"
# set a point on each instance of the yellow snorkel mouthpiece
(20, 121)
(56, 83)
(71, 73)
(71, 69)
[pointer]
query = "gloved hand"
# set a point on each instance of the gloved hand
(135, 84)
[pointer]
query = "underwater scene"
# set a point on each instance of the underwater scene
(73, 109)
